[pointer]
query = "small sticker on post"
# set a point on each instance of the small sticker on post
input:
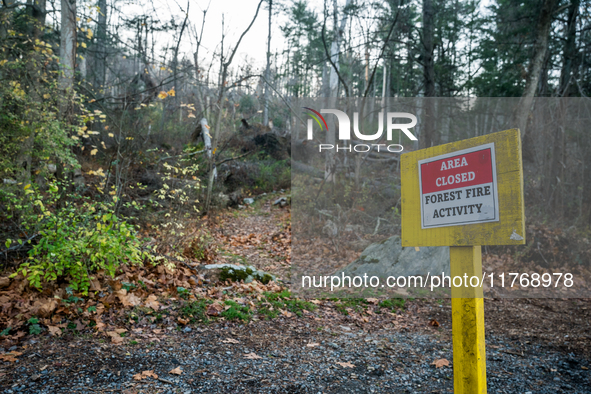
(516, 237)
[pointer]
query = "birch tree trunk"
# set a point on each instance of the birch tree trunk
(335, 48)
(67, 46)
(268, 70)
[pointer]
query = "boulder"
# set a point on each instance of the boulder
(237, 273)
(389, 258)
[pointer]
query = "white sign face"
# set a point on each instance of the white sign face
(459, 188)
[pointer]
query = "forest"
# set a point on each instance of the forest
(153, 160)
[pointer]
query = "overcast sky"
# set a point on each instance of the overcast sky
(237, 16)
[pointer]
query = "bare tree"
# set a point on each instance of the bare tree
(224, 66)
(537, 62)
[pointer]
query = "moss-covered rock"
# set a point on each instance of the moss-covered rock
(237, 273)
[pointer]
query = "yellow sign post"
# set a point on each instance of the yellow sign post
(465, 194)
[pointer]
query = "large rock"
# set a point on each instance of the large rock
(236, 273)
(389, 258)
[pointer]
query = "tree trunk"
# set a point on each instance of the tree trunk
(570, 49)
(537, 63)
(35, 10)
(268, 70)
(67, 46)
(100, 58)
(429, 136)
(335, 47)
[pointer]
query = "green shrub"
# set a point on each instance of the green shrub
(74, 240)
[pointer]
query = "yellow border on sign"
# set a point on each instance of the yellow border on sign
(509, 230)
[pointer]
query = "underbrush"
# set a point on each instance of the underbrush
(70, 237)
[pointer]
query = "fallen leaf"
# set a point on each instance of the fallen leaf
(230, 340)
(145, 374)
(440, 363)
(10, 356)
(312, 344)
(116, 338)
(79, 325)
(585, 368)
(176, 371)
(373, 300)
(183, 321)
(434, 323)
(252, 356)
(346, 364)
(215, 309)
(54, 331)
(151, 302)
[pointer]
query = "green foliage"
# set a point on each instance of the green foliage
(393, 303)
(195, 311)
(180, 191)
(77, 238)
(273, 175)
(356, 304)
(128, 286)
(34, 327)
(5, 332)
(274, 302)
(236, 311)
(183, 293)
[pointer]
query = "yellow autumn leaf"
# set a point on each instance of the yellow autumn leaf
(163, 68)
(46, 96)
(89, 20)
(111, 135)
(171, 92)
(162, 95)
(83, 45)
(93, 152)
(3, 62)
(190, 116)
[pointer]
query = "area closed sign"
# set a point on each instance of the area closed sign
(459, 188)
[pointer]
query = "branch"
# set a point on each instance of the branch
(381, 53)
(242, 36)
(183, 155)
(233, 158)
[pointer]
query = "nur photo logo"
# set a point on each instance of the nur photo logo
(344, 131)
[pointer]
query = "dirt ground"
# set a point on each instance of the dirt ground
(533, 345)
